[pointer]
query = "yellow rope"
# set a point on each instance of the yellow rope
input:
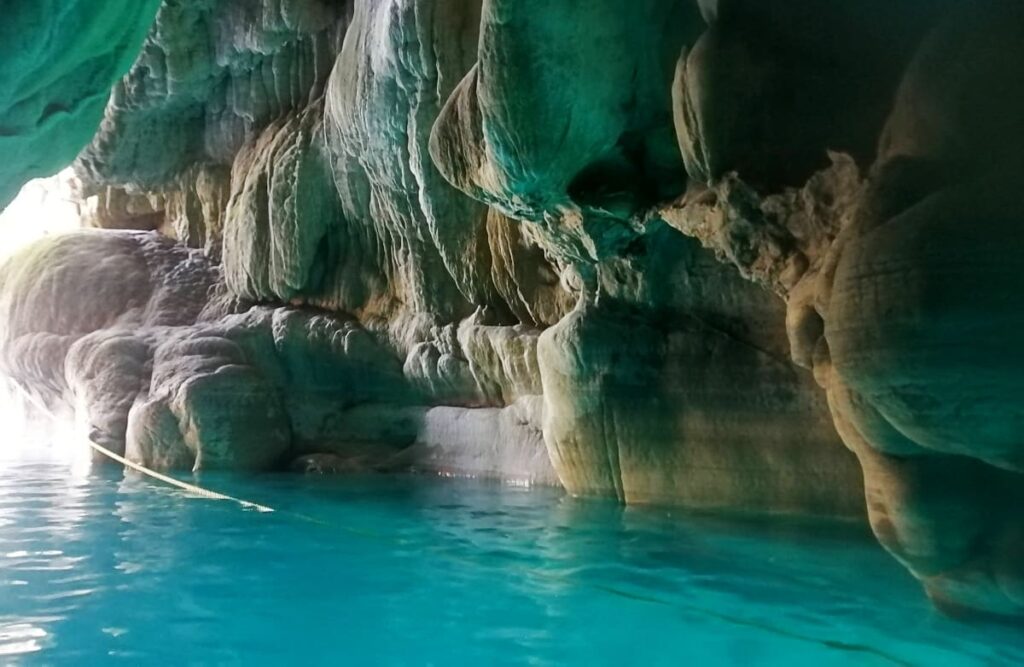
(526, 572)
(191, 488)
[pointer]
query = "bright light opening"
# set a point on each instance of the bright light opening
(44, 207)
(32, 436)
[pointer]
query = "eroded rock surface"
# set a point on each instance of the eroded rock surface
(666, 250)
(924, 313)
(902, 287)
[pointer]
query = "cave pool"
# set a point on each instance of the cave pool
(102, 567)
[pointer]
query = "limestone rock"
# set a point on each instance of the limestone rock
(60, 294)
(195, 206)
(529, 135)
(606, 245)
(446, 281)
(169, 374)
(527, 278)
(922, 314)
(116, 208)
(326, 464)
(772, 85)
(280, 227)
(656, 416)
(427, 242)
(209, 77)
(506, 442)
(901, 284)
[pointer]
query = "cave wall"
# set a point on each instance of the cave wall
(900, 269)
(665, 250)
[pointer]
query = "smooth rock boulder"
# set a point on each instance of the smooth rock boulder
(529, 134)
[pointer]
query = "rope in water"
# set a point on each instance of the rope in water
(728, 618)
(191, 488)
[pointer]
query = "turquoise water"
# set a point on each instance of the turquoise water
(100, 568)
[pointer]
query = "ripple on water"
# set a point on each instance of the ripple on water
(414, 570)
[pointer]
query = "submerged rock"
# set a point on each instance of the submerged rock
(328, 464)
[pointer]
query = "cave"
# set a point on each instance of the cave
(736, 277)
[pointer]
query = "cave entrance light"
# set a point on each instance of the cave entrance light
(44, 206)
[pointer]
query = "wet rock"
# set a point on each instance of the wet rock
(900, 281)
(505, 443)
(439, 284)
(606, 245)
(529, 135)
(280, 226)
(327, 464)
(656, 416)
(922, 315)
(773, 85)
(209, 77)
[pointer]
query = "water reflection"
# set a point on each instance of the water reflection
(19, 638)
(415, 571)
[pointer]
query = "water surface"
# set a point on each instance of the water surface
(102, 568)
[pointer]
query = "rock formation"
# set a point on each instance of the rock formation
(672, 251)
(906, 317)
